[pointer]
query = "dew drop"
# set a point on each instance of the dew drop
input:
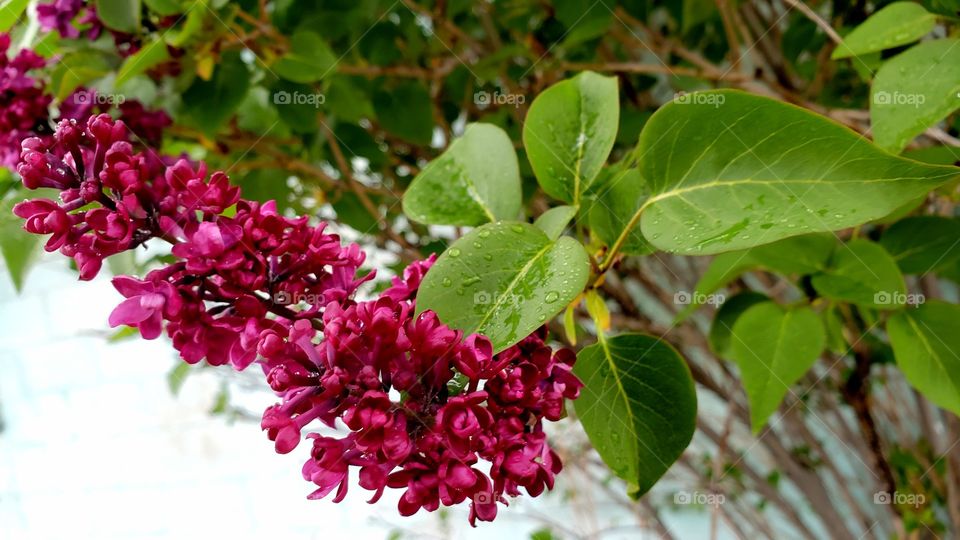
(551, 297)
(454, 252)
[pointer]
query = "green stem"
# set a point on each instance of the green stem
(622, 239)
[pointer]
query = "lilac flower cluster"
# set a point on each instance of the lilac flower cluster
(23, 100)
(423, 404)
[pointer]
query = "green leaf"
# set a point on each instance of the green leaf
(77, 69)
(406, 111)
(150, 55)
(913, 91)
(696, 12)
(164, 7)
(504, 280)
(937, 155)
(925, 342)
(921, 244)
(638, 406)
(183, 33)
(862, 272)
(804, 254)
(774, 347)
(569, 132)
(309, 59)
(476, 180)
(208, 104)
(351, 212)
(177, 376)
(10, 12)
(120, 15)
(723, 269)
(730, 170)
(721, 330)
(613, 207)
(896, 24)
(583, 19)
(555, 220)
(124, 333)
(348, 100)
(18, 247)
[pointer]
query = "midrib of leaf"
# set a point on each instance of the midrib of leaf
(930, 349)
(475, 195)
(615, 371)
(776, 355)
(751, 181)
(581, 145)
(471, 187)
(679, 192)
(523, 272)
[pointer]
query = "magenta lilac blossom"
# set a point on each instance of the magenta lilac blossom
(413, 404)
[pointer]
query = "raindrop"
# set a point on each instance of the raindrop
(454, 252)
(446, 282)
(551, 297)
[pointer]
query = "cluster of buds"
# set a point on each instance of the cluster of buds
(424, 404)
(421, 407)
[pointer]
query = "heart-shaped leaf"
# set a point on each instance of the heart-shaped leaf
(925, 342)
(476, 180)
(727, 172)
(504, 280)
(721, 330)
(638, 406)
(864, 273)
(896, 24)
(569, 132)
(774, 347)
